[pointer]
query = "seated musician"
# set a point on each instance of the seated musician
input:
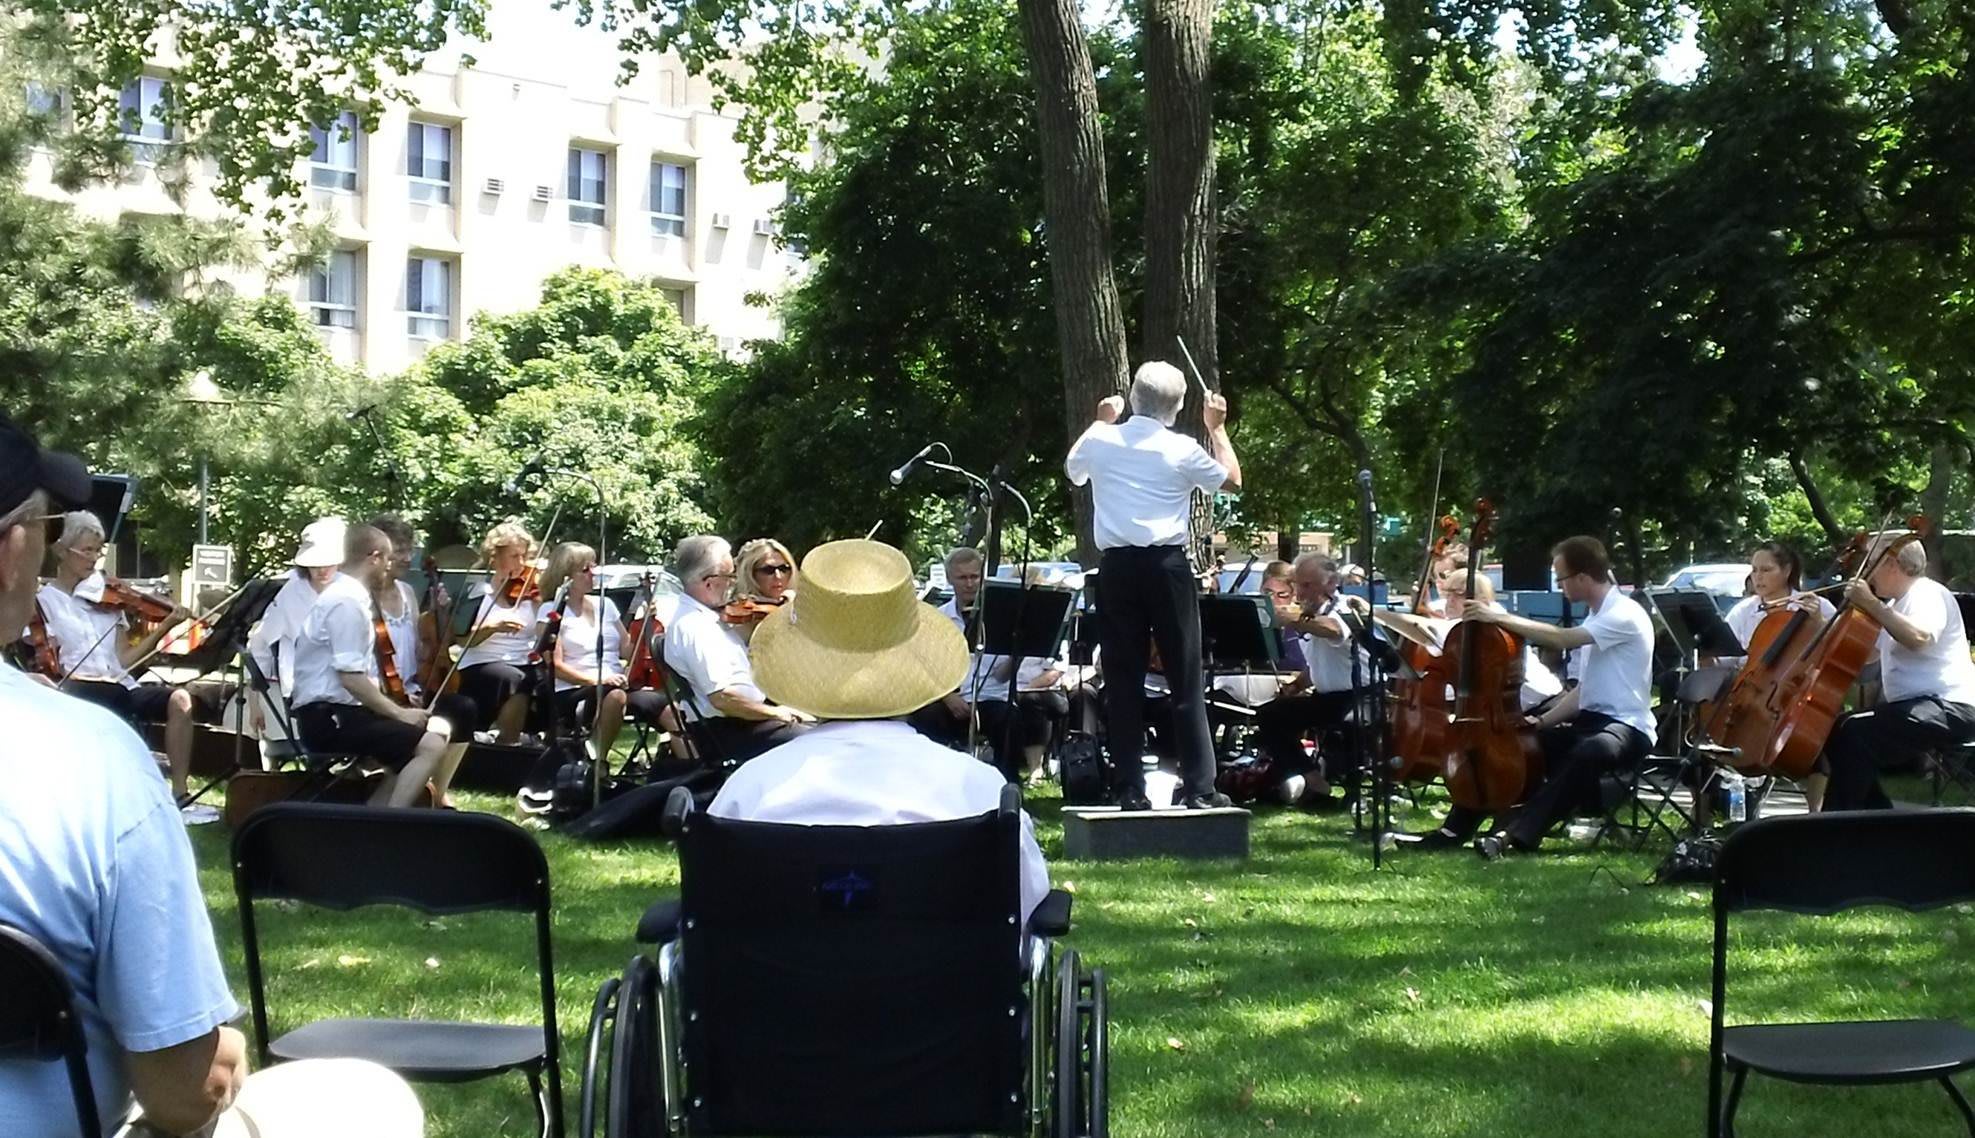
(580, 672)
(708, 655)
(1540, 686)
(1278, 587)
(272, 643)
(494, 670)
(947, 719)
(398, 602)
(1606, 721)
(1776, 574)
(1927, 682)
(764, 577)
(93, 646)
(1324, 705)
(341, 706)
(863, 660)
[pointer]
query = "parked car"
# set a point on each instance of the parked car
(1726, 581)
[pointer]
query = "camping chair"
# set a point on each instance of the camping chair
(38, 1020)
(1818, 865)
(437, 862)
(942, 1014)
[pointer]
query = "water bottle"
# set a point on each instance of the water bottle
(1738, 796)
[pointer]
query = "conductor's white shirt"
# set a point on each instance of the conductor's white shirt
(873, 772)
(1141, 477)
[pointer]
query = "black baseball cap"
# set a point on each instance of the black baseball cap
(25, 468)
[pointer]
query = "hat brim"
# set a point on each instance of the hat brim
(66, 479)
(830, 682)
(314, 557)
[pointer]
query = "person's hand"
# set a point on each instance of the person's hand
(230, 1060)
(1214, 412)
(955, 706)
(616, 680)
(415, 716)
(1476, 611)
(791, 716)
(508, 624)
(1355, 603)
(1859, 593)
(441, 597)
(1109, 408)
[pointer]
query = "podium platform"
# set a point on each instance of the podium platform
(1105, 833)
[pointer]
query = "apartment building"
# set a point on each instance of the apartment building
(497, 174)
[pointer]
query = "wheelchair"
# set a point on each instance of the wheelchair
(833, 980)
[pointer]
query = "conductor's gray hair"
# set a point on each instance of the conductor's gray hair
(1912, 559)
(699, 555)
(1157, 391)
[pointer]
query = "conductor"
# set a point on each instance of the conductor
(1142, 475)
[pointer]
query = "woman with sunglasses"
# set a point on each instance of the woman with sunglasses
(764, 580)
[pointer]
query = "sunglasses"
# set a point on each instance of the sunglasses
(777, 570)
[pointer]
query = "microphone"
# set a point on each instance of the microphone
(512, 486)
(353, 416)
(898, 476)
(1365, 485)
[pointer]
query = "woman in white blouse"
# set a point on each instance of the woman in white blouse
(494, 670)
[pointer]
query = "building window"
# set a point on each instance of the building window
(333, 290)
(43, 101)
(679, 299)
(429, 298)
(668, 199)
(333, 165)
(429, 162)
(141, 113)
(587, 178)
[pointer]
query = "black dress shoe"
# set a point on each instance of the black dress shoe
(1134, 800)
(1213, 800)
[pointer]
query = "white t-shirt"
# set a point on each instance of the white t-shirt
(339, 636)
(579, 642)
(1942, 668)
(502, 647)
(87, 638)
(404, 635)
(1616, 674)
(95, 864)
(1142, 477)
(275, 635)
(1328, 662)
(1747, 615)
(877, 772)
(709, 655)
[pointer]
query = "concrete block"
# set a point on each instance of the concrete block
(1105, 833)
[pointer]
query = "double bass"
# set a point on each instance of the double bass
(1493, 758)
(1420, 717)
(1783, 704)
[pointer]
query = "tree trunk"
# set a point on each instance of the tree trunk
(1090, 324)
(1934, 504)
(1819, 508)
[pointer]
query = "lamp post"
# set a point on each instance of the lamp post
(202, 390)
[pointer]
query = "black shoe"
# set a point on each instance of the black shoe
(1134, 800)
(1442, 839)
(1212, 800)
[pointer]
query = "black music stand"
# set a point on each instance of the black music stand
(226, 640)
(1690, 621)
(1238, 634)
(1020, 621)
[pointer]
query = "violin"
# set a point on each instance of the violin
(749, 611)
(526, 586)
(1784, 702)
(1494, 757)
(387, 662)
(120, 596)
(1419, 719)
(45, 659)
(643, 669)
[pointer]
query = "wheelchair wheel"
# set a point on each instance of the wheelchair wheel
(632, 1109)
(602, 1014)
(1081, 1060)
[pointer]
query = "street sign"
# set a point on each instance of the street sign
(212, 566)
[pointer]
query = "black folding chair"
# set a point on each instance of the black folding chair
(1952, 767)
(437, 862)
(38, 1020)
(1818, 865)
(851, 980)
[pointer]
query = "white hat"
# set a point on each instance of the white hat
(322, 543)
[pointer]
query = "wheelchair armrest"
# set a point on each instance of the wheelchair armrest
(660, 924)
(1052, 917)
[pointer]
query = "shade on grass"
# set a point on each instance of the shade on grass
(1295, 993)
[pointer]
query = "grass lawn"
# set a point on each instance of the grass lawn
(1296, 993)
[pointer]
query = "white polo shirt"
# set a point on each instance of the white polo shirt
(1942, 668)
(873, 772)
(338, 636)
(87, 638)
(1748, 614)
(1616, 675)
(1141, 476)
(709, 655)
(1328, 662)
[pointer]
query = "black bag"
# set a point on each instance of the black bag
(1691, 860)
(1080, 767)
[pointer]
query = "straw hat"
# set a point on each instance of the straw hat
(322, 543)
(856, 643)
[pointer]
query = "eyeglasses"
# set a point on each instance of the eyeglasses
(719, 576)
(777, 570)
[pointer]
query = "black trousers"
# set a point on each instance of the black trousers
(489, 686)
(1894, 736)
(737, 740)
(1148, 594)
(1282, 722)
(1035, 719)
(1575, 756)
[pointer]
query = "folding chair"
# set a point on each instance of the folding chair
(437, 862)
(834, 980)
(1818, 865)
(1952, 766)
(1641, 800)
(38, 1020)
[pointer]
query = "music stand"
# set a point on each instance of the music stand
(1690, 620)
(228, 635)
(1238, 634)
(1023, 621)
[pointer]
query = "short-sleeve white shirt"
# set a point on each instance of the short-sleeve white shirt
(87, 638)
(338, 636)
(1942, 668)
(1142, 476)
(1616, 676)
(272, 643)
(1328, 661)
(709, 655)
(502, 647)
(873, 773)
(1747, 615)
(578, 639)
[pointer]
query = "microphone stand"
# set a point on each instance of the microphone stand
(974, 641)
(1373, 708)
(1021, 611)
(390, 464)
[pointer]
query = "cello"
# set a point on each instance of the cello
(1419, 720)
(1493, 758)
(1784, 702)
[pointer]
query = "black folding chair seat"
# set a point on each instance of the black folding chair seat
(1886, 1051)
(435, 1051)
(38, 1021)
